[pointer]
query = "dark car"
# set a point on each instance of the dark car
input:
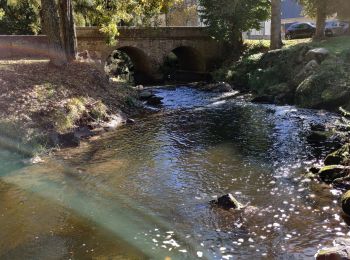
(300, 30)
(336, 28)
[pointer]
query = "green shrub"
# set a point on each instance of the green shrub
(65, 118)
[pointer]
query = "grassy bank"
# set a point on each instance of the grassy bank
(37, 101)
(296, 74)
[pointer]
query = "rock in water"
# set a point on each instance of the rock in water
(264, 99)
(222, 87)
(227, 202)
(154, 101)
(332, 172)
(341, 156)
(340, 251)
(144, 95)
(345, 203)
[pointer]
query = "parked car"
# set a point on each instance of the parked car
(300, 30)
(335, 28)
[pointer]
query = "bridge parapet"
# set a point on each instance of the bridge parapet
(148, 33)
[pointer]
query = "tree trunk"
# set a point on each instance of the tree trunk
(68, 29)
(276, 42)
(52, 30)
(321, 17)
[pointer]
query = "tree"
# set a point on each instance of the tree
(183, 13)
(227, 19)
(319, 9)
(68, 32)
(322, 10)
(342, 7)
(276, 42)
(51, 28)
(109, 13)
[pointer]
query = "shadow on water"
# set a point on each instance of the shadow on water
(142, 192)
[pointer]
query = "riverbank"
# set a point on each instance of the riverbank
(307, 74)
(43, 107)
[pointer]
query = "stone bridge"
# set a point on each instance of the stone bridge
(146, 47)
(149, 47)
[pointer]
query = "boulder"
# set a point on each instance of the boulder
(144, 95)
(130, 121)
(219, 87)
(319, 136)
(281, 93)
(154, 101)
(227, 202)
(139, 87)
(341, 156)
(222, 87)
(115, 121)
(301, 53)
(340, 251)
(318, 54)
(83, 133)
(345, 203)
(84, 55)
(264, 99)
(314, 170)
(64, 140)
(318, 127)
(306, 71)
(326, 87)
(332, 172)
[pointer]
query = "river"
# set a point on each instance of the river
(142, 192)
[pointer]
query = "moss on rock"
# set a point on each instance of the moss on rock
(328, 87)
(345, 203)
(341, 156)
(332, 172)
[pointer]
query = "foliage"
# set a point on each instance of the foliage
(120, 66)
(20, 17)
(109, 14)
(227, 19)
(183, 13)
(341, 7)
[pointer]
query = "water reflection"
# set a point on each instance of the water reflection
(149, 184)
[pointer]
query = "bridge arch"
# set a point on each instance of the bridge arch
(189, 59)
(141, 64)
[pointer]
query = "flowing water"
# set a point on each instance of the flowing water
(142, 192)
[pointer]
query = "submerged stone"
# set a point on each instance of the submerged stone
(227, 202)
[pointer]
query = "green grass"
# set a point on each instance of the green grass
(336, 45)
(266, 43)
